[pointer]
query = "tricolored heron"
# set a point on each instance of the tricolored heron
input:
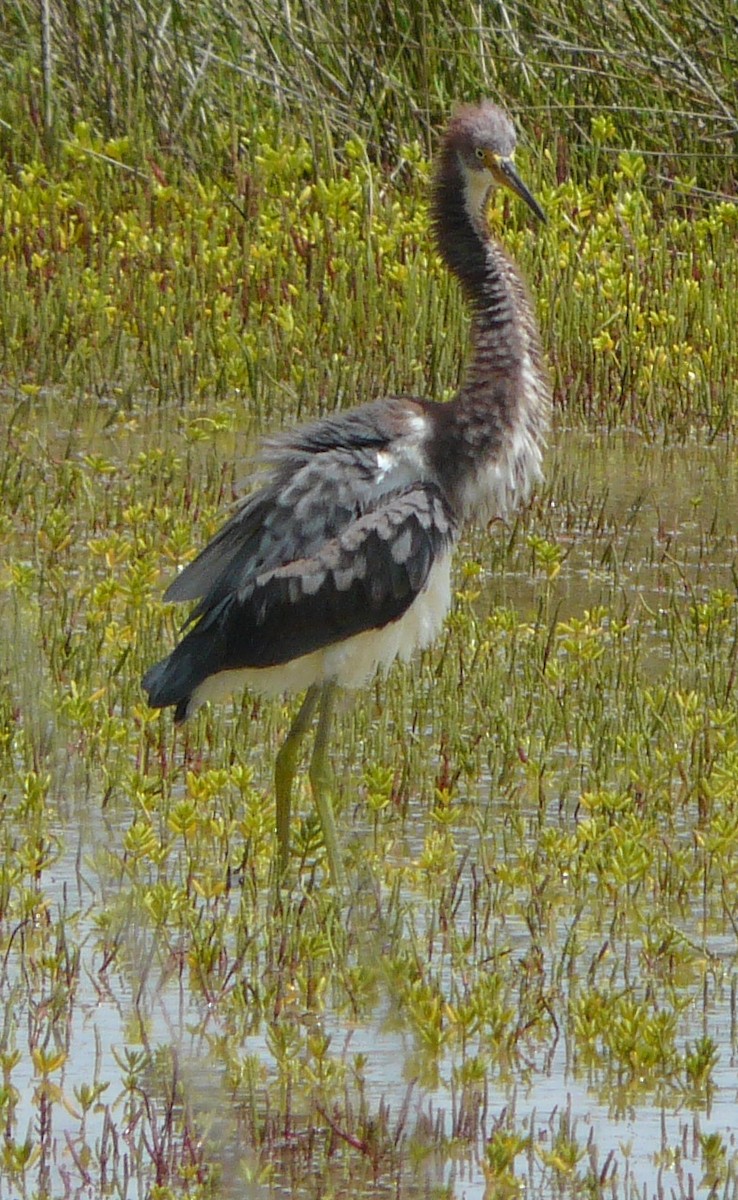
(339, 561)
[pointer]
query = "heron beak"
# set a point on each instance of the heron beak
(504, 172)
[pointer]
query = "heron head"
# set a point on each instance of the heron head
(483, 137)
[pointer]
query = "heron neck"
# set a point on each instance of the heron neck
(488, 447)
(490, 281)
(460, 241)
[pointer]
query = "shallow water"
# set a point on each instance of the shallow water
(645, 1150)
(638, 523)
(628, 512)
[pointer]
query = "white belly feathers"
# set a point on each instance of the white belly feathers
(349, 663)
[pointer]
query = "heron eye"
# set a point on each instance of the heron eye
(479, 153)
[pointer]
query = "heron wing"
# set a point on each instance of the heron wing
(360, 580)
(321, 478)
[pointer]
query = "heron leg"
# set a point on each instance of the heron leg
(321, 782)
(285, 767)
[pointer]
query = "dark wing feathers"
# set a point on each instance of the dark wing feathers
(363, 578)
(320, 477)
(303, 505)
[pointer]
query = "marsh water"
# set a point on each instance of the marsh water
(640, 528)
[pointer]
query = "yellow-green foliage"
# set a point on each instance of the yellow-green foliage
(321, 291)
(137, 286)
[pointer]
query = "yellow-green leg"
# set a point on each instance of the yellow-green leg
(285, 768)
(321, 782)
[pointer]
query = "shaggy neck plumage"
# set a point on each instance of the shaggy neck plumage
(487, 444)
(489, 279)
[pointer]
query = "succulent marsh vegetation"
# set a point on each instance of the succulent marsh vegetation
(534, 983)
